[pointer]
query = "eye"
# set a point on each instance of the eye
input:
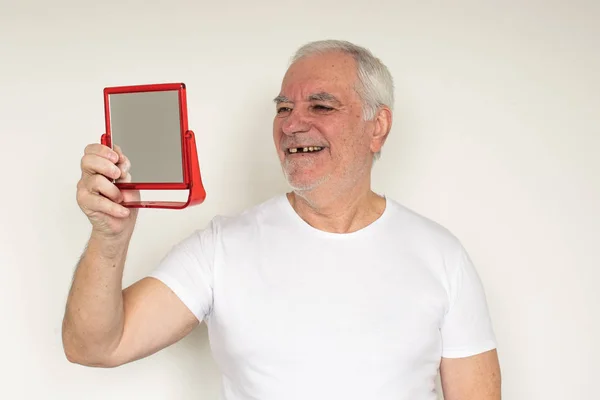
(322, 108)
(283, 109)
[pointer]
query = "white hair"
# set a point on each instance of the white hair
(375, 84)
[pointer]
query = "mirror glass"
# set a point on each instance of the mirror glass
(147, 127)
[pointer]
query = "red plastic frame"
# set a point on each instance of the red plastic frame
(192, 179)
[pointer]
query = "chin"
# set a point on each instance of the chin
(300, 183)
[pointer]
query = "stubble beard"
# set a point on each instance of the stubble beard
(307, 189)
(292, 168)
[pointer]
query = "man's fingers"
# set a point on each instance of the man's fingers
(92, 203)
(100, 159)
(125, 178)
(124, 164)
(106, 206)
(120, 153)
(101, 151)
(92, 164)
(99, 184)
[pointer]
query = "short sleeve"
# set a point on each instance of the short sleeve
(467, 328)
(187, 269)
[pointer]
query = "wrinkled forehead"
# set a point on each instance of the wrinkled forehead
(333, 73)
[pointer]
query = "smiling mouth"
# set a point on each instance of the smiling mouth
(302, 150)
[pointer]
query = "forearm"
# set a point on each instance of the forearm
(94, 317)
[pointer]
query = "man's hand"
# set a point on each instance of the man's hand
(99, 198)
(471, 378)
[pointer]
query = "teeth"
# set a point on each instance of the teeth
(304, 149)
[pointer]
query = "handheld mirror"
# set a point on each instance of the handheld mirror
(149, 124)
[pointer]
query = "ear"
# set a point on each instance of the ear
(381, 128)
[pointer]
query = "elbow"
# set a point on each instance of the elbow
(75, 357)
(87, 358)
(79, 351)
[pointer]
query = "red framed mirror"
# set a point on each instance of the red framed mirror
(150, 125)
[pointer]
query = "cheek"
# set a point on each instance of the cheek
(356, 138)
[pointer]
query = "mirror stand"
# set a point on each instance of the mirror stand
(192, 179)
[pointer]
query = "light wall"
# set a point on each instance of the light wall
(496, 136)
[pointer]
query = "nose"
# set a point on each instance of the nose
(295, 122)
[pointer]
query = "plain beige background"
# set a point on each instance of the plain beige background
(496, 136)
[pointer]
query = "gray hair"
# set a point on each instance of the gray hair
(375, 84)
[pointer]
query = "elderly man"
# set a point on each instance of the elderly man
(330, 291)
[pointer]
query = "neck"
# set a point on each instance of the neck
(338, 212)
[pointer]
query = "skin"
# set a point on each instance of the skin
(105, 326)
(318, 105)
(471, 378)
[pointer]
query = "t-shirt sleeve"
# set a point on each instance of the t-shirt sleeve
(467, 328)
(187, 269)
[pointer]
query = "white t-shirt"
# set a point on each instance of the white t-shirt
(295, 313)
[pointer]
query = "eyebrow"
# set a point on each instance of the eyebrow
(281, 99)
(321, 96)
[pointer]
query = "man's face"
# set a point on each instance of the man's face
(318, 109)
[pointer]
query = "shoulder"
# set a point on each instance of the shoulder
(417, 227)
(242, 225)
(265, 213)
(426, 240)
(436, 246)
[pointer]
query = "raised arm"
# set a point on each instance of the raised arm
(104, 325)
